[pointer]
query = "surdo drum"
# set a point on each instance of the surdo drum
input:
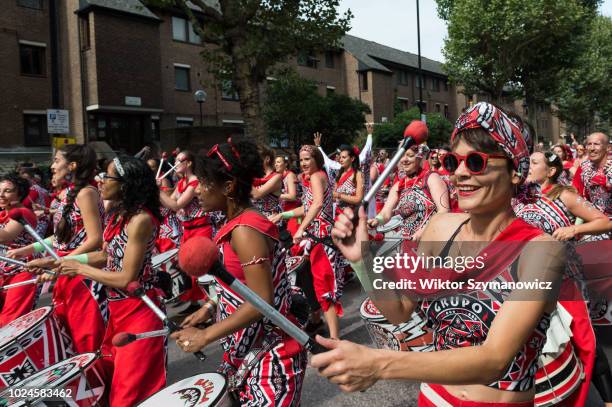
(557, 377)
(74, 382)
(203, 390)
(29, 344)
(413, 335)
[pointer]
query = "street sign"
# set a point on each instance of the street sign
(58, 121)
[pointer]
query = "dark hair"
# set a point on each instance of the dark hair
(86, 160)
(480, 140)
(266, 152)
(245, 167)
(189, 156)
(32, 172)
(21, 184)
(564, 153)
(552, 160)
(355, 164)
(138, 188)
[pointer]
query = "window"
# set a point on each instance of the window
(446, 114)
(35, 130)
(445, 86)
(184, 122)
(84, 32)
(402, 103)
(402, 77)
(435, 84)
(329, 59)
(228, 92)
(35, 4)
(363, 79)
(33, 60)
(181, 78)
(418, 81)
(438, 108)
(306, 58)
(330, 90)
(182, 30)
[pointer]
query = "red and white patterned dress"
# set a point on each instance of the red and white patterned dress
(269, 204)
(595, 185)
(276, 373)
(134, 372)
(80, 303)
(17, 301)
(415, 204)
(195, 221)
(464, 319)
(348, 186)
(327, 275)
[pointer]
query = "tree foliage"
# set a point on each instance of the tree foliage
(247, 37)
(389, 134)
(294, 110)
(495, 46)
(583, 98)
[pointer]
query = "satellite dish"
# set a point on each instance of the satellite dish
(200, 96)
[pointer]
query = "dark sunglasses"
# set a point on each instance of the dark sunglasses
(475, 161)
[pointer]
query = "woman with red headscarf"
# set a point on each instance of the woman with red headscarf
(486, 341)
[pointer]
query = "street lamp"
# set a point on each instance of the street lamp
(200, 97)
(421, 82)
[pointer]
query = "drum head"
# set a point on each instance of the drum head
(203, 390)
(20, 326)
(369, 312)
(161, 258)
(206, 279)
(53, 377)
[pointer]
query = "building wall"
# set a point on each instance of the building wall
(21, 93)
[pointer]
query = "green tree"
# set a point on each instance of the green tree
(248, 37)
(583, 98)
(516, 46)
(294, 110)
(389, 134)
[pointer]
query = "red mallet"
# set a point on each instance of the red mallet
(125, 338)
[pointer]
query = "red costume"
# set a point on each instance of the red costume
(136, 371)
(276, 375)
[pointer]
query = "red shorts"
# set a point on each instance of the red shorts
(435, 395)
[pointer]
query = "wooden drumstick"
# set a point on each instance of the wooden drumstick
(170, 170)
(28, 282)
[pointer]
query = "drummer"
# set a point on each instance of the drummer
(80, 303)
(17, 301)
(494, 361)
(136, 371)
(266, 191)
(252, 253)
(416, 197)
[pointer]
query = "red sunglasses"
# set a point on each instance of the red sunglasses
(475, 161)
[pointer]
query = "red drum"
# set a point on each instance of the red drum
(72, 382)
(557, 377)
(30, 343)
(203, 390)
(413, 335)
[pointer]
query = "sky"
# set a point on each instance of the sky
(393, 23)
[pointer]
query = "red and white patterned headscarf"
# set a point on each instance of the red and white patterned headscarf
(511, 136)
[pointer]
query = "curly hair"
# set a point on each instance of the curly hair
(246, 165)
(21, 184)
(85, 158)
(138, 188)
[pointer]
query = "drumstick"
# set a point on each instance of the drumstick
(18, 215)
(161, 163)
(20, 263)
(136, 290)
(6, 287)
(125, 338)
(170, 170)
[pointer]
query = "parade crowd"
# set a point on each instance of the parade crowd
(291, 228)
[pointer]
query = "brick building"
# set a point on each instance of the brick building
(127, 74)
